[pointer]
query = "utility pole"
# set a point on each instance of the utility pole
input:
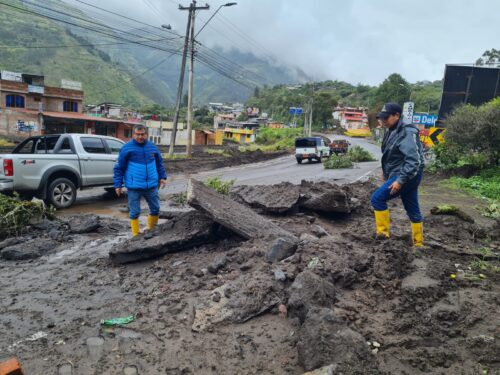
(193, 8)
(179, 88)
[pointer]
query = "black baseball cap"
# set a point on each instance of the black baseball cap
(389, 109)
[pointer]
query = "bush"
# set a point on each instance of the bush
(284, 136)
(359, 154)
(338, 162)
(218, 185)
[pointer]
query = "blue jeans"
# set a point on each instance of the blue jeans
(408, 193)
(134, 201)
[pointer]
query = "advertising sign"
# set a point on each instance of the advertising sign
(424, 119)
(71, 85)
(36, 89)
(11, 76)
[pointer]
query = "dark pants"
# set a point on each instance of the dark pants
(408, 193)
(134, 201)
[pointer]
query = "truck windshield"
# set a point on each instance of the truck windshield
(305, 143)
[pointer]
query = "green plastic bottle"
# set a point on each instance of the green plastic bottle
(118, 321)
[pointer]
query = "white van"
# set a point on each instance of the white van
(310, 148)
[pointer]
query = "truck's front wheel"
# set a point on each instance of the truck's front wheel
(61, 193)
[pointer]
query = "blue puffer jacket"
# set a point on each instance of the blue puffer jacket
(402, 153)
(140, 166)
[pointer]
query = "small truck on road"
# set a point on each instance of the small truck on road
(53, 167)
(339, 146)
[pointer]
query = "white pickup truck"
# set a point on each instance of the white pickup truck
(53, 167)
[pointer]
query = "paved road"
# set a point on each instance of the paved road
(264, 173)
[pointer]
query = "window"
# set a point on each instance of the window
(127, 133)
(114, 146)
(26, 147)
(70, 106)
(93, 145)
(65, 147)
(14, 101)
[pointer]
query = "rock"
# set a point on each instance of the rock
(84, 224)
(216, 297)
(219, 262)
(306, 237)
(183, 233)
(327, 370)
(340, 346)
(281, 248)
(283, 312)
(319, 231)
(31, 249)
(277, 199)
(325, 197)
(11, 241)
(308, 290)
(199, 273)
(279, 275)
(246, 266)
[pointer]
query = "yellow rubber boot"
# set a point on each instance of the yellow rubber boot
(134, 225)
(382, 223)
(152, 221)
(417, 234)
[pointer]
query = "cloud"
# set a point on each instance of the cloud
(352, 40)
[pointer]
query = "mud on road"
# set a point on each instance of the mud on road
(342, 302)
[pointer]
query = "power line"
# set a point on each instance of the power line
(69, 45)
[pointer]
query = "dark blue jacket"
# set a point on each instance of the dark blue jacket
(140, 166)
(402, 153)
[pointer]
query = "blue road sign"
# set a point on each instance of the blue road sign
(295, 111)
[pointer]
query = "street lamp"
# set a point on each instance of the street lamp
(212, 16)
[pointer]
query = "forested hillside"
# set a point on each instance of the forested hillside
(118, 64)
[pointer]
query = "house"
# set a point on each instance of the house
(29, 107)
(353, 119)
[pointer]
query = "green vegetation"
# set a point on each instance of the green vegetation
(221, 187)
(274, 139)
(180, 198)
(471, 146)
(277, 100)
(15, 214)
(174, 156)
(218, 152)
(451, 209)
(338, 162)
(359, 154)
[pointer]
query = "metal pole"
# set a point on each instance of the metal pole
(179, 89)
(190, 90)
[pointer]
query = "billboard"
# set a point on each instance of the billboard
(468, 84)
(71, 85)
(11, 76)
(425, 119)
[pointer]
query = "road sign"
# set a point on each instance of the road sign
(295, 111)
(407, 114)
(432, 136)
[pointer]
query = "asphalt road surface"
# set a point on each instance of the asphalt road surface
(264, 173)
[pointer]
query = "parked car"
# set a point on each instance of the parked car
(53, 167)
(339, 146)
(310, 148)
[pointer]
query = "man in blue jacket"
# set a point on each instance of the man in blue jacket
(402, 167)
(140, 168)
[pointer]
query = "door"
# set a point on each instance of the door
(97, 163)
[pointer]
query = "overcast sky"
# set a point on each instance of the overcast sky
(358, 41)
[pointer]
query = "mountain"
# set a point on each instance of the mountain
(112, 70)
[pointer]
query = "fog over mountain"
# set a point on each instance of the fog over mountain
(355, 41)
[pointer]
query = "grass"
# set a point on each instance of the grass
(174, 156)
(218, 152)
(269, 140)
(222, 187)
(485, 186)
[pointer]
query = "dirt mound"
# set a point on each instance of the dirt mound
(342, 302)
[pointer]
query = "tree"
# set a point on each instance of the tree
(489, 57)
(394, 89)
(324, 103)
(256, 92)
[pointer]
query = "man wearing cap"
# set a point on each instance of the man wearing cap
(402, 167)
